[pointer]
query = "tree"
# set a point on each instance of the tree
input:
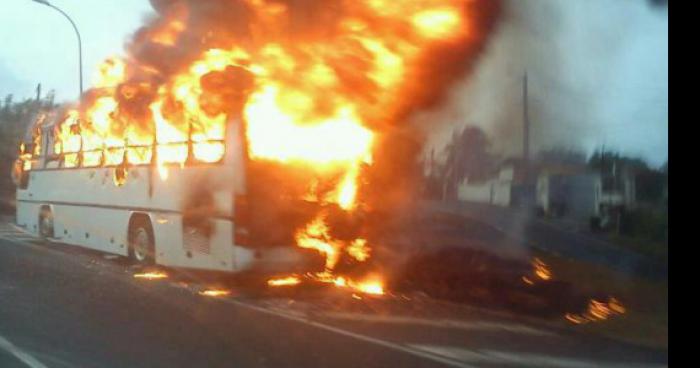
(606, 161)
(468, 156)
(7, 106)
(560, 155)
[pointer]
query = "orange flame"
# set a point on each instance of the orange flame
(597, 311)
(151, 275)
(541, 269)
(285, 281)
(215, 292)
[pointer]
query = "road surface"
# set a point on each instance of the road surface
(61, 306)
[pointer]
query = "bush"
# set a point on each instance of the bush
(645, 223)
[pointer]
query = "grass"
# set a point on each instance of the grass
(642, 245)
(645, 321)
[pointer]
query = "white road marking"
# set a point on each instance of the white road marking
(13, 232)
(535, 360)
(23, 356)
(17, 227)
(11, 238)
(441, 323)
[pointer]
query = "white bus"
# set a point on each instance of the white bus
(198, 217)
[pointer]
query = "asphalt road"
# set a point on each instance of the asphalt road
(61, 306)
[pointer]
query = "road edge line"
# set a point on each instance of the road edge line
(365, 338)
(18, 353)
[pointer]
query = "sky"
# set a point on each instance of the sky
(598, 70)
(40, 46)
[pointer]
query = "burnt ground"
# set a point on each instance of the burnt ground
(472, 259)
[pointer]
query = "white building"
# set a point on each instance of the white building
(496, 191)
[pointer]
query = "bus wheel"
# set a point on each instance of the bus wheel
(141, 243)
(46, 223)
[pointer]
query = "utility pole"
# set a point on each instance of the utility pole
(526, 133)
(526, 123)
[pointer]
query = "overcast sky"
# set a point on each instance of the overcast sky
(599, 69)
(39, 44)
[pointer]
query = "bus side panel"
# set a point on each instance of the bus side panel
(28, 216)
(178, 247)
(95, 228)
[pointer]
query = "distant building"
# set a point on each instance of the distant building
(495, 191)
(507, 187)
(574, 195)
(580, 193)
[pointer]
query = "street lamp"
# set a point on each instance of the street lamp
(80, 43)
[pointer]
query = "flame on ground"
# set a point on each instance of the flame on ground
(372, 285)
(285, 281)
(541, 269)
(151, 275)
(215, 292)
(597, 311)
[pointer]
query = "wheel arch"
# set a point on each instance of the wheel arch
(45, 209)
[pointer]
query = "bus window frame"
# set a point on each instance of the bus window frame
(48, 151)
(190, 161)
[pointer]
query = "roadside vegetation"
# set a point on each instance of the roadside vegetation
(645, 321)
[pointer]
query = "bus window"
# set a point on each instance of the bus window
(23, 164)
(172, 152)
(53, 156)
(113, 156)
(36, 148)
(210, 151)
(139, 155)
(92, 158)
(71, 144)
(20, 176)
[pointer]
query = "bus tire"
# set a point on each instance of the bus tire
(141, 241)
(46, 222)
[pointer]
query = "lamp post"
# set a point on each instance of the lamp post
(80, 43)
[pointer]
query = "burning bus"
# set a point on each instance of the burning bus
(181, 204)
(246, 135)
